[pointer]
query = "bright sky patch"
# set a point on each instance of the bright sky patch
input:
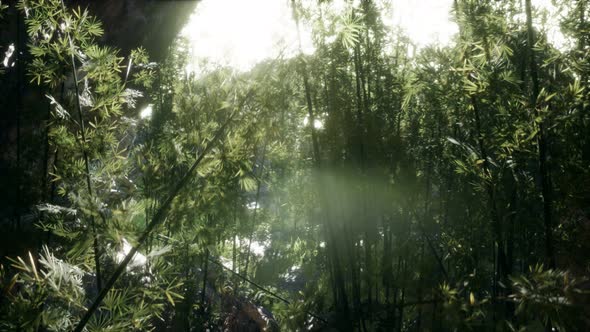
(240, 33)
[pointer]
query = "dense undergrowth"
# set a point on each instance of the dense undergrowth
(368, 186)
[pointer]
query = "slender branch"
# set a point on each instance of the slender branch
(85, 156)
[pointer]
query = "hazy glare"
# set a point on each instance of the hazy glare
(240, 33)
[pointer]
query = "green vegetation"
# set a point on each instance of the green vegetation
(362, 187)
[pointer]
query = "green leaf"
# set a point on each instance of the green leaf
(248, 184)
(454, 141)
(169, 297)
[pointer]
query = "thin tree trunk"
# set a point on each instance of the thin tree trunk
(253, 223)
(20, 43)
(204, 288)
(400, 320)
(360, 125)
(396, 290)
(45, 191)
(544, 173)
(510, 239)
(234, 247)
(420, 285)
(342, 299)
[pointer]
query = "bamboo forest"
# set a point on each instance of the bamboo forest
(343, 165)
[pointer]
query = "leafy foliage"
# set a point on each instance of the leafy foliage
(368, 186)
